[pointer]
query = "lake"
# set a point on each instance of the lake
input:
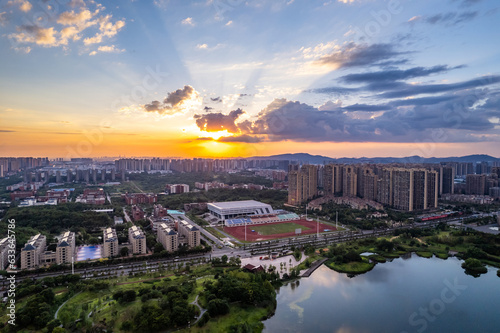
(406, 295)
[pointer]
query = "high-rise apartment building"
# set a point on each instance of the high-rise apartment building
(350, 181)
(191, 233)
(168, 237)
(32, 251)
(370, 182)
(137, 240)
(403, 183)
(475, 184)
(110, 243)
(385, 187)
(302, 184)
(65, 250)
(433, 189)
(447, 179)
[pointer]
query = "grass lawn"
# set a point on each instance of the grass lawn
(281, 228)
(236, 316)
(424, 254)
(377, 258)
(353, 267)
(441, 255)
(215, 231)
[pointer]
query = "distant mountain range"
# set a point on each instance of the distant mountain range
(318, 159)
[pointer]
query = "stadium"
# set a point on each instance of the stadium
(251, 220)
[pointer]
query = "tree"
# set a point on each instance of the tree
(224, 259)
(217, 307)
(128, 296)
(385, 245)
(124, 251)
(352, 256)
(53, 324)
(158, 247)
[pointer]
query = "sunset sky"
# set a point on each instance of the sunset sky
(234, 78)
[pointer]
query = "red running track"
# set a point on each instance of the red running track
(239, 232)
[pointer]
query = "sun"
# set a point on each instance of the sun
(215, 135)
(218, 149)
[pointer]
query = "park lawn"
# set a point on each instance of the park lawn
(113, 311)
(280, 228)
(308, 262)
(199, 287)
(377, 258)
(73, 307)
(237, 315)
(441, 255)
(424, 254)
(353, 267)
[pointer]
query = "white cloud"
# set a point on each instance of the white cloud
(72, 18)
(107, 49)
(3, 18)
(69, 26)
(76, 3)
(23, 49)
(319, 50)
(415, 18)
(188, 21)
(36, 34)
(24, 5)
(106, 29)
(229, 23)
(161, 3)
(208, 48)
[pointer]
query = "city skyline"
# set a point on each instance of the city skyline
(216, 78)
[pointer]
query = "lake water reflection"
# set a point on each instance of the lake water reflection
(409, 294)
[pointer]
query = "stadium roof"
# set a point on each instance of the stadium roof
(238, 204)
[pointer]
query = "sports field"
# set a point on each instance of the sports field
(276, 228)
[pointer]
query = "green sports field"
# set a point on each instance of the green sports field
(272, 229)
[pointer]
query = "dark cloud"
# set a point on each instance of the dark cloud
(240, 138)
(207, 109)
(412, 90)
(216, 99)
(450, 18)
(395, 74)
(355, 55)
(367, 107)
(336, 90)
(468, 3)
(214, 122)
(172, 103)
(422, 100)
(458, 118)
(6, 131)
(204, 139)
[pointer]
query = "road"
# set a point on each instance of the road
(247, 250)
(127, 218)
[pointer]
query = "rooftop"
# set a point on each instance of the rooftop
(238, 204)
